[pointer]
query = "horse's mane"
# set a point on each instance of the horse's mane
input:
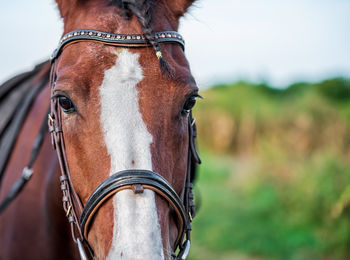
(142, 9)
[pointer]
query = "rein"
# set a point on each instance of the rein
(80, 216)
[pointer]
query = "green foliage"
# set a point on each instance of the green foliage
(335, 89)
(275, 179)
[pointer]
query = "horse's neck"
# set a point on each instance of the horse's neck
(35, 219)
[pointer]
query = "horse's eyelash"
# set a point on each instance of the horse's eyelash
(58, 96)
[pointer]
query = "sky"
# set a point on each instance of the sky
(273, 41)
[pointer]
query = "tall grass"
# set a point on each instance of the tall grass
(275, 179)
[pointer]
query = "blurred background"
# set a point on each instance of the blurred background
(274, 124)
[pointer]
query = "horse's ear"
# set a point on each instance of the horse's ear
(65, 6)
(179, 7)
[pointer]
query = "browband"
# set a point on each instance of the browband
(123, 40)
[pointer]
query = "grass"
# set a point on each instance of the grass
(275, 179)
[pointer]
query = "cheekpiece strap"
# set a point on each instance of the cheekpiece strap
(122, 40)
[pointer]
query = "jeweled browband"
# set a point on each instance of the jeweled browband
(123, 40)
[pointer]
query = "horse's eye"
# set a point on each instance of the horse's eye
(189, 104)
(66, 104)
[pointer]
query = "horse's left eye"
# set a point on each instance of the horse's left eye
(66, 104)
(189, 104)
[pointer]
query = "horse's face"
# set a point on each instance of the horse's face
(120, 112)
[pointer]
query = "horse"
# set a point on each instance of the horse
(115, 102)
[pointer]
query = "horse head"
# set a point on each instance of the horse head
(122, 112)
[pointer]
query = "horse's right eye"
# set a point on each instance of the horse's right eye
(66, 104)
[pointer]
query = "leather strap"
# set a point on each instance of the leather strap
(122, 40)
(126, 180)
(27, 171)
(70, 199)
(10, 133)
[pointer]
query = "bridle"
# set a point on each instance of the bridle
(80, 216)
(136, 180)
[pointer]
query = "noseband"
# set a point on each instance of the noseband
(80, 217)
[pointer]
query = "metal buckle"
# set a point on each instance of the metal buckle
(82, 253)
(27, 173)
(186, 250)
(193, 121)
(50, 118)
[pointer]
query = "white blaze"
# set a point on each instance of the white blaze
(136, 230)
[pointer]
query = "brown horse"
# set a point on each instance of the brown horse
(113, 108)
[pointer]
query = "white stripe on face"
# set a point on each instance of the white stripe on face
(136, 229)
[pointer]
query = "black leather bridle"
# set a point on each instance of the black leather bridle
(79, 216)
